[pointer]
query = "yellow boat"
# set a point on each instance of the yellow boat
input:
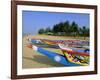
(71, 59)
(49, 42)
(75, 58)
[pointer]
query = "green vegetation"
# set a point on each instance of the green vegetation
(66, 29)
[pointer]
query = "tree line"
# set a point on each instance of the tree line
(66, 29)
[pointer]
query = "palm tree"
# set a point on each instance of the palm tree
(84, 31)
(74, 28)
(66, 27)
(55, 29)
(41, 31)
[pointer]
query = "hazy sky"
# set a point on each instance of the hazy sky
(32, 21)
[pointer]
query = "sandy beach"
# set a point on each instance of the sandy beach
(33, 59)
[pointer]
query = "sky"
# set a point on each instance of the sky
(32, 21)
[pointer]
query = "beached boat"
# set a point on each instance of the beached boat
(70, 43)
(77, 56)
(41, 43)
(50, 42)
(53, 56)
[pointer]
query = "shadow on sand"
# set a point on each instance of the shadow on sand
(44, 60)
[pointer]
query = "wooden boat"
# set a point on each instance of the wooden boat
(50, 42)
(40, 43)
(70, 43)
(53, 56)
(66, 59)
(74, 56)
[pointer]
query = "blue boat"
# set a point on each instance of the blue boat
(53, 56)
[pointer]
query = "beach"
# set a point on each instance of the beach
(33, 59)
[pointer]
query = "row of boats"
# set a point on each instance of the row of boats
(75, 52)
